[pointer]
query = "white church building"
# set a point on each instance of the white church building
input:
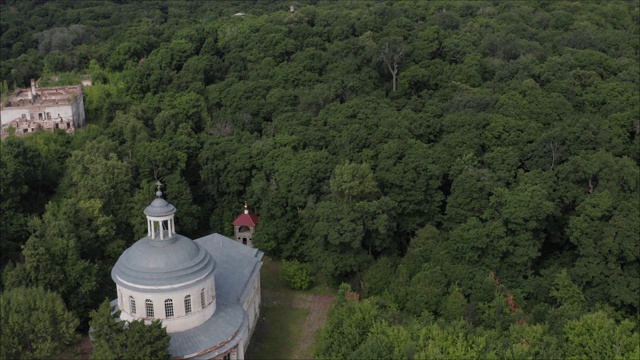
(206, 291)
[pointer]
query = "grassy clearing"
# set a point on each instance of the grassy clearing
(282, 318)
(277, 334)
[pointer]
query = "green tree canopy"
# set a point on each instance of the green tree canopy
(116, 339)
(35, 324)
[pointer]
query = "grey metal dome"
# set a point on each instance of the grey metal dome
(162, 263)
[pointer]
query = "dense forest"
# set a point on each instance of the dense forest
(470, 168)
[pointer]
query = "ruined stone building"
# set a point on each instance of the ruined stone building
(42, 109)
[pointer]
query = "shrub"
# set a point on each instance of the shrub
(296, 275)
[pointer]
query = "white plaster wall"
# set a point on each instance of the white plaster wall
(180, 320)
(64, 111)
(252, 305)
(8, 115)
(243, 344)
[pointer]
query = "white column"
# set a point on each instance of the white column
(153, 229)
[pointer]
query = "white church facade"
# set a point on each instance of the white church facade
(206, 291)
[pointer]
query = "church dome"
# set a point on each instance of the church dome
(163, 259)
(169, 263)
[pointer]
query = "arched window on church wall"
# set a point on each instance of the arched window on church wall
(187, 304)
(168, 308)
(202, 302)
(149, 307)
(132, 305)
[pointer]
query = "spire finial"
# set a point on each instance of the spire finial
(158, 193)
(246, 208)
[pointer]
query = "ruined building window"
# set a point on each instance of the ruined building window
(48, 116)
(24, 116)
(187, 304)
(168, 308)
(39, 116)
(132, 305)
(202, 303)
(149, 305)
(32, 116)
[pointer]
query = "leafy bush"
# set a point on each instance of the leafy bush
(296, 275)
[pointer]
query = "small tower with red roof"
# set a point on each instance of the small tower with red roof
(244, 226)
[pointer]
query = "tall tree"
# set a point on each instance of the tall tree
(35, 324)
(115, 339)
(391, 54)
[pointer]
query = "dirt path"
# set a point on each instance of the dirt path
(86, 349)
(318, 306)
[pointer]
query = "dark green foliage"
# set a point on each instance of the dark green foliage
(507, 153)
(35, 324)
(296, 275)
(115, 339)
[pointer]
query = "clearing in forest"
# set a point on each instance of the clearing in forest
(289, 319)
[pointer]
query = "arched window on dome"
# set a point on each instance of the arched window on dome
(149, 307)
(202, 302)
(187, 304)
(132, 305)
(168, 308)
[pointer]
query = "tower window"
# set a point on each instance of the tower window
(132, 305)
(149, 307)
(168, 308)
(202, 303)
(187, 304)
